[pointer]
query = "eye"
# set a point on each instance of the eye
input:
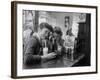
(46, 31)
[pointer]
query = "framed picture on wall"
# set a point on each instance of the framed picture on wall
(82, 17)
(42, 46)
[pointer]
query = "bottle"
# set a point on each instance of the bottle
(54, 45)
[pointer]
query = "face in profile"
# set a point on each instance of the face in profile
(45, 33)
(56, 35)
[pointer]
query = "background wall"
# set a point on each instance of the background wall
(5, 40)
(61, 20)
(56, 19)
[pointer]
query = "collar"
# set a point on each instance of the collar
(37, 35)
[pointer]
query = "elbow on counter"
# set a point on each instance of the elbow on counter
(30, 59)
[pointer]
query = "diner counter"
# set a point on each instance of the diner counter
(59, 61)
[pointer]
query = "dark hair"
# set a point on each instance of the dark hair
(69, 32)
(46, 25)
(58, 30)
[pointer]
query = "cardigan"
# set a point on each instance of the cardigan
(33, 52)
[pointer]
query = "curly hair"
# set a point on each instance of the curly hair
(58, 30)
